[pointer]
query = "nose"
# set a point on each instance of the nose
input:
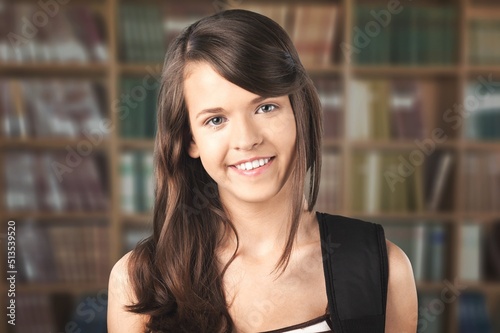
(246, 134)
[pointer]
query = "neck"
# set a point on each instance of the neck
(263, 227)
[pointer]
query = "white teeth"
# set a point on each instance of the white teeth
(252, 165)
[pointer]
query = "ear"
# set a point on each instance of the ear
(193, 150)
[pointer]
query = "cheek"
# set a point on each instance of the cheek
(282, 127)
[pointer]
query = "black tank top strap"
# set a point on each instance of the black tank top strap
(356, 273)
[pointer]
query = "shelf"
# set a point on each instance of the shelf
(388, 70)
(397, 145)
(315, 70)
(137, 219)
(137, 144)
(485, 70)
(486, 287)
(481, 216)
(482, 145)
(153, 69)
(332, 143)
(46, 143)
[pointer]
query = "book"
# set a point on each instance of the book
(417, 35)
(34, 182)
(482, 48)
(483, 116)
(137, 183)
(277, 12)
(315, 32)
(425, 242)
(72, 34)
(359, 115)
(438, 175)
(470, 253)
(437, 254)
(492, 252)
(329, 195)
(331, 98)
(406, 110)
(429, 323)
(128, 184)
(89, 30)
(481, 178)
(179, 15)
(473, 314)
(138, 120)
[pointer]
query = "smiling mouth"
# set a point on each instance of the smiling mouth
(254, 164)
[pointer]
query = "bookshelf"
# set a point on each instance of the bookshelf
(440, 87)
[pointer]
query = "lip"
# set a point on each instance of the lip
(253, 172)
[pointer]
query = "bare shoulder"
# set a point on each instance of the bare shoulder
(402, 313)
(120, 294)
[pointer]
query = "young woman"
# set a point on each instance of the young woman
(236, 244)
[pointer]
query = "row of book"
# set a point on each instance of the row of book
(332, 102)
(482, 181)
(142, 36)
(412, 35)
(400, 182)
(483, 46)
(50, 32)
(385, 109)
(63, 252)
(137, 184)
(61, 312)
(426, 244)
(138, 115)
(477, 312)
(482, 110)
(146, 30)
(41, 108)
(54, 182)
(313, 28)
(480, 251)
(330, 195)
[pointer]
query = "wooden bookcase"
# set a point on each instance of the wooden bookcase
(455, 76)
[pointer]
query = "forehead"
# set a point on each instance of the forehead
(205, 88)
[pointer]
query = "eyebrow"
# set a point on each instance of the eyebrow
(256, 100)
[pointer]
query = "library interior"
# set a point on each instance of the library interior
(410, 92)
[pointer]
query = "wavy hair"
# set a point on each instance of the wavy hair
(175, 273)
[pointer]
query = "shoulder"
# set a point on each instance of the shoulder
(401, 310)
(121, 294)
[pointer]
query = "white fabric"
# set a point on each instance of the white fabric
(316, 328)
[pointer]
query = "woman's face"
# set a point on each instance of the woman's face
(246, 143)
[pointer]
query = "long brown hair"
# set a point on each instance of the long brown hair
(175, 273)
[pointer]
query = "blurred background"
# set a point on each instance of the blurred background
(411, 101)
